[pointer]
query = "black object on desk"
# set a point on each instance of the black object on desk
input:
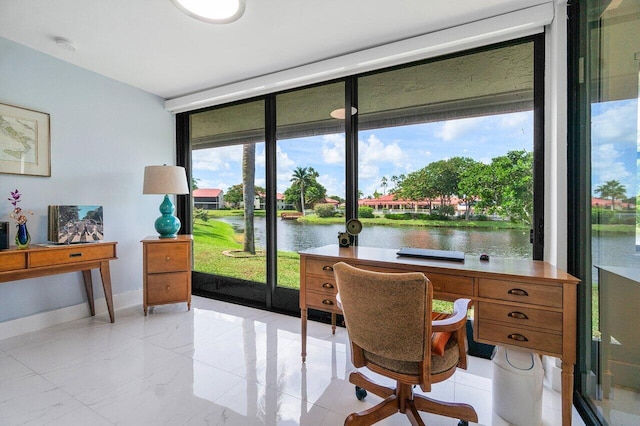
(457, 256)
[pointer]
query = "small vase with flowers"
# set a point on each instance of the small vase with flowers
(22, 235)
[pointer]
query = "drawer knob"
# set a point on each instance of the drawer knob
(327, 268)
(517, 315)
(518, 292)
(327, 302)
(167, 258)
(75, 254)
(518, 337)
(327, 285)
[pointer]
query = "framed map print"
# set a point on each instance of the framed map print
(25, 142)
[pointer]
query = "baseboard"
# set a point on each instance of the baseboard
(48, 319)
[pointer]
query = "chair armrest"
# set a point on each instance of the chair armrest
(456, 321)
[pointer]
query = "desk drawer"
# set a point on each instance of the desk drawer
(451, 284)
(442, 283)
(167, 288)
(535, 340)
(324, 302)
(73, 254)
(167, 257)
(12, 261)
(536, 294)
(320, 267)
(323, 285)
(519, 316)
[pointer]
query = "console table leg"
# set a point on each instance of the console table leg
(105, 274)
(303, 318)
(88, 286)
(567, 393)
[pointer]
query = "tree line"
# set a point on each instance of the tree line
(504, 187)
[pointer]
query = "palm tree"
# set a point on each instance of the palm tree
(612, 189)
(248, 194)
(384, 183)
(303, 176)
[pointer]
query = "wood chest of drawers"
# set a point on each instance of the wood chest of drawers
(167, 270)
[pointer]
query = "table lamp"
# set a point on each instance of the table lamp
(166, 180)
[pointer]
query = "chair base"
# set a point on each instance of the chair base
(402, 399)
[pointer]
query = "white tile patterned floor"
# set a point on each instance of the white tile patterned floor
(218, 364)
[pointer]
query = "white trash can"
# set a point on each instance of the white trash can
(517, 386)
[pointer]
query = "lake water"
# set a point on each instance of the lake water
(296, 236)
(608, 249)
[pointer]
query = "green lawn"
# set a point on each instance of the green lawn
(212, 239)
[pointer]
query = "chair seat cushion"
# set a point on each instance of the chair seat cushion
(439, 364)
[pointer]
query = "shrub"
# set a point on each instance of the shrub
(397, 216)
(201, 214)
(365, 212)
(324, 210)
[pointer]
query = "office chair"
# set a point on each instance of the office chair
(389, 320)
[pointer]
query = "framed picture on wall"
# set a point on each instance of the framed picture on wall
(25, 141)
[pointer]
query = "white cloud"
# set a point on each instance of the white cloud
(616, 123)
(607, 166)
(374, 154)
(216, 159)
(282, 159)
(333, 149)
(453, 129)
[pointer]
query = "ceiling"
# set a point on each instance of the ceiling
(151, 45)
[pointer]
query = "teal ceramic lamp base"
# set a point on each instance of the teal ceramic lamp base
(167, 225)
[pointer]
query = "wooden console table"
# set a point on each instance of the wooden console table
(517, 302)
(39, 261)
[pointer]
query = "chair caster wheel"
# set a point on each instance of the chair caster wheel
(360, 393)
(463, 423)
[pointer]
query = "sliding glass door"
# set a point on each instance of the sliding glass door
(285, 172)
(605, 150)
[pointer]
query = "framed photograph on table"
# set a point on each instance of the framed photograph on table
(25, 141)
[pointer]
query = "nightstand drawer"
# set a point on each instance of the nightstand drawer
(167, 288)
(536, 294)
(324, 302)
(520, 316)
(165, 257)
(13, 261)
(536, 340)
(71, 254)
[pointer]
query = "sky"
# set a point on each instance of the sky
(615, 138)
(404, 149)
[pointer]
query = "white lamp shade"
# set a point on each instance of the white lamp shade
(165, 180)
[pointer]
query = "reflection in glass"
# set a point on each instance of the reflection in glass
(612, 352)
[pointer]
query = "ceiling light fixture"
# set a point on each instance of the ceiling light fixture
(339, 113)
(212, 11)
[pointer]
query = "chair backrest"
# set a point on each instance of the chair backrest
(388, 318)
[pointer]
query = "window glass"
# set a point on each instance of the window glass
(310, 164)
(611, 350)
(446, 154)
(228, 171)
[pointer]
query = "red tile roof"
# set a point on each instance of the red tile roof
(205, 192)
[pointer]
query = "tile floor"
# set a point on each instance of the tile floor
(219, 364)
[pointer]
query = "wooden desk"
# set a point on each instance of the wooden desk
(38, 261)
(517, 302)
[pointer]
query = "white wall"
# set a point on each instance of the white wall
(103, 133)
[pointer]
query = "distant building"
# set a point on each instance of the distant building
(606, 203)
(208, 199)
